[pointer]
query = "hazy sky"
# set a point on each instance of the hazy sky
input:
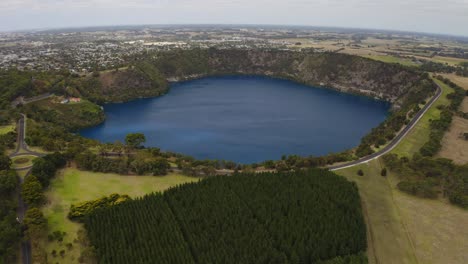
(437, 16)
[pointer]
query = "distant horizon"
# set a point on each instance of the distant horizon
(426, 16)
(96, 26)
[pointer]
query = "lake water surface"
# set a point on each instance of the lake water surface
(244, 119)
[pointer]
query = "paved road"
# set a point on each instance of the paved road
(396, 140)
(21, 146)
(24, 101)
(23, 150)
(25, 245)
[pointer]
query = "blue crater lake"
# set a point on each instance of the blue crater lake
(245, 119)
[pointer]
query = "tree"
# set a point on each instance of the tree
(384, 172)
(35, 223)
(135, 140)
(160, 166)
(5, 162)
(32, 191)
(360, 172)
(85, 160)
(118, 147)
(43, 170)
(8, 183)
(10, 233)
(139, 166)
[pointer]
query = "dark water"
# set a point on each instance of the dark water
(245, 119)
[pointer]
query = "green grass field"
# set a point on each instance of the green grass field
(404, 228)
(6, 129)
(392, 59)
(448, 60)
(420, 133)
(386, 235)
(73, 186)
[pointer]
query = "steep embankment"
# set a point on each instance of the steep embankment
(347, 73)
(136, 81)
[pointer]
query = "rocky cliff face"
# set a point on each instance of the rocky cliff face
(346, 73)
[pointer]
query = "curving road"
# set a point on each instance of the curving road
(396, 140)
(23, 150)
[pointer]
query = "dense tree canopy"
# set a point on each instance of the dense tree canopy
(294, 217)
(31, 191)
(44, 168)
(10, 231)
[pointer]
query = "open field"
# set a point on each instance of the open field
(6, 129)
(73, 186)
(464, 105)
(408, 229)
(436, 228)
(448, 60)
(420, 133)
(459, 80)
(392, 59)
(454, 146)
(387, 238)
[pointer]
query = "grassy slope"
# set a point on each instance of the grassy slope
(437, 229)
(73, 186)
(459, 80)
(392, 59)
(387, 237)
(420, 133)
(448, 60)
(407, 229)
(6, 129)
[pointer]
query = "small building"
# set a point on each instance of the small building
(75, 99)
(65, 101)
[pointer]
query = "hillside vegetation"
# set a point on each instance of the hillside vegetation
(295, 217)
(348, 73)
(138, 80)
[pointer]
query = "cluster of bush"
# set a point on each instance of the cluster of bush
(79, 211)
(42, 172)
(10, 229)
(430, 66)
(388, 129)
(429, 177)
(140, 163)
(439, 126)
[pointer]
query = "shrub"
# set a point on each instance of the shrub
(384, 172)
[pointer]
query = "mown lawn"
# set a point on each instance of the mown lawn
(73, 186)
(419, 135)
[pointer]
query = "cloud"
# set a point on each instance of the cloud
(449, 16)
